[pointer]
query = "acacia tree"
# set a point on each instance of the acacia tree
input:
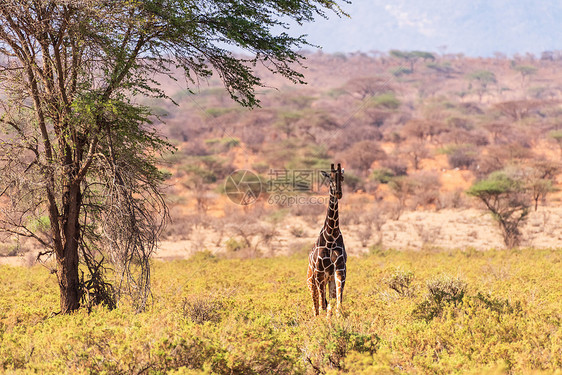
(79, 153)
(525, 71)
(483, 78)
(412, 56)
(506, 197)
(539, 179)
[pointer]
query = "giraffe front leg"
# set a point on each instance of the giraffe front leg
(313, 290)
(322, 294)
(340, 283)
(332, 289)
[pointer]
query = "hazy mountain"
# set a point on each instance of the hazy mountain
(476, 28)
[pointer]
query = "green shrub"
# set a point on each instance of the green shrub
(400, 71)
(218, 145)
(446, 289)
(329, 345)
(400, 281)
(215, 112)
(382, 175)
(497, 305)
(352, 181)
(386, 100)
(8, 249)
(201, 310)
(40, 224)
(442, 291)
(207, 176)
(233, 245)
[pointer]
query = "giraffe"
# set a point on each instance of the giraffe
(326, 262)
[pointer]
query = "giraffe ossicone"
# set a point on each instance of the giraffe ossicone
(327, 260)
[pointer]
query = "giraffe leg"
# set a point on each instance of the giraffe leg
(332, 289)
(313, 290)
(322, 294)
(340, 283)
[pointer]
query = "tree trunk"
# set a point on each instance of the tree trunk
(67, 262)
(69, 283)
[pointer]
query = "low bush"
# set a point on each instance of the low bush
(400, 281)
(442, 291)
(201, 310)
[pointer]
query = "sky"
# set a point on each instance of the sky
(474, 28)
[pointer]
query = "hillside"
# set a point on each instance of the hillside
(412, 132)
(439, 124)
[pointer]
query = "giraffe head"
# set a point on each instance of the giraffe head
(336, 178)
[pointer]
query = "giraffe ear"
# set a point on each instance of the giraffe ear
(325, 174)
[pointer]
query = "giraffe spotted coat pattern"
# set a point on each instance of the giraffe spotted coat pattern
(327, 260)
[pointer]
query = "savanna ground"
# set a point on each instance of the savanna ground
(462, 311)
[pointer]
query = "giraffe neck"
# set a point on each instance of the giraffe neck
(332, 223)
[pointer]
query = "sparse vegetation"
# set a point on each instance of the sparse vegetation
(254, 316)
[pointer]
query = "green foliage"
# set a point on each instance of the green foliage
(461, 157)
(508, 198)
(233, 245)
(200, 309)
(399, 54)
(8, 249)
(278, 215)
(330, 344)
(260, 167)
(223, 144)
(496, 184)
(40, 224)
(446, 289)
(298, 101)
(424, 55)
(485, 77)
(387, 100)
(225, 316)
(311, 157)
(441, 68)
(205, 170)
(498, 305)
(442, 291)
(206, 176)
(400, 281)
(556, 135)
(411, 56)
(525, 70)
(353, 181)
(336, 93)
(220, 111)
(400, 71)
(382, 175)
